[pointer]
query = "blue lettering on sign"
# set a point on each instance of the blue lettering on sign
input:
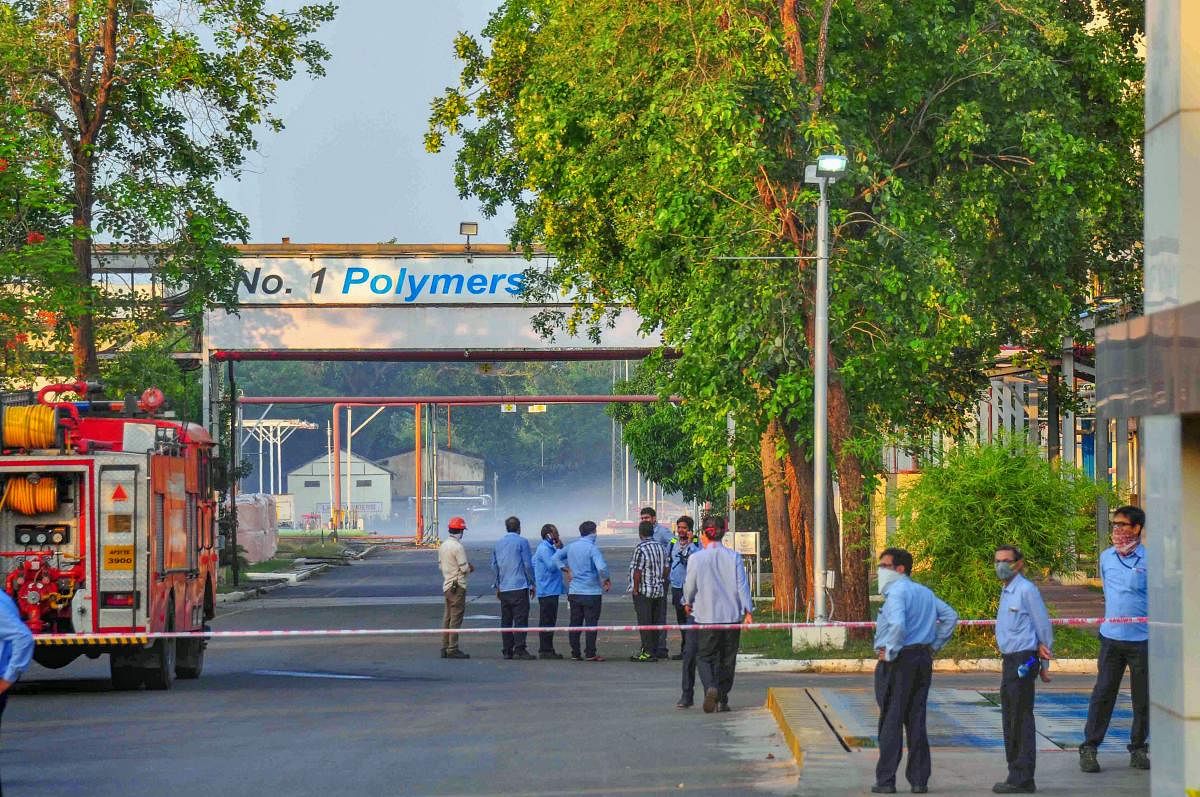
(355, 275)
(412, 287)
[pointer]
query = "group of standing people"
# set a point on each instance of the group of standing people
(914, 623)
(705, 582)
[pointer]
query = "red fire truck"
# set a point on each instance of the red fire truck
(106, 531)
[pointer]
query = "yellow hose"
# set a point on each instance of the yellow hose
(34, 426)
(30, 498)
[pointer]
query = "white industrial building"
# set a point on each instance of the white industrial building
(366, 489)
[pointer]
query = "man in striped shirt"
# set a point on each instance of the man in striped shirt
(648, 573)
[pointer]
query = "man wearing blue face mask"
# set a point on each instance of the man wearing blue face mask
(1123, 571)
(912, 625)
(1025, 638)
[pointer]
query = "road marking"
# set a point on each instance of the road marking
(482, 617)
(299, 674)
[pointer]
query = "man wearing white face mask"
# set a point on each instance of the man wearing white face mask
(912, 625)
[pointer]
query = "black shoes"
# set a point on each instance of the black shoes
(1087, 760)
(920, 789)
(1004, 787)
(455, 654)
(507, 655)
(710, 700)
(1139, 759)
(684, 702)
(723, 706)
(576, 657)
(523, 655)
(677, 657)
(550, 655)
(883, 789)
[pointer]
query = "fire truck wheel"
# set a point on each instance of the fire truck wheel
(125, 677)
(161, 673)
(190, 657)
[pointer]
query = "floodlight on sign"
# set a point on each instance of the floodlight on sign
(468, 228)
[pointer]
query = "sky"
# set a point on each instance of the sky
(350, 166)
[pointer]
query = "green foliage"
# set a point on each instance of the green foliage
(150, 365)
(995, 170)
(138, 110)
(979, 497)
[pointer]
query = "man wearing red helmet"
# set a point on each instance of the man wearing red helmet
(452, 557)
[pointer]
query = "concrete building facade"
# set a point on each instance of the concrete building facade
(368, 491)
(1149, 369)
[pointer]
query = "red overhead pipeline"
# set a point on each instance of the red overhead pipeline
(438, 355)
(457, 401)
(416, 402)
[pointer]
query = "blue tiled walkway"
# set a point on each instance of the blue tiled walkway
(968, 718)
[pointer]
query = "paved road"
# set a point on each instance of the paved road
(266, 718)
(387, 716)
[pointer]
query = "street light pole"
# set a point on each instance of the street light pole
(821, 407)
(825, 172)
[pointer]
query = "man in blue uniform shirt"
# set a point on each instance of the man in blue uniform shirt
(549, 579)
(513, 566)
(717, 591)
(662, 535)
(588, 574)
(683, 545)
(912, 625)
(16, 647)
(1025, 638)
(1123, 571)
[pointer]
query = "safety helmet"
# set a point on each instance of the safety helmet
(457, 524)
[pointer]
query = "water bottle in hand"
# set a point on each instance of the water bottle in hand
(1027, 667)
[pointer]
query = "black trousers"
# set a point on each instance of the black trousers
(1016, 715)
(681, 616)
(901, 690)
(585, 611)
(647, 610)
(514, 613)
(3, 703)
(547, 616)
(691, 650)
(718, 649)
(1115, 656)
(659, 647)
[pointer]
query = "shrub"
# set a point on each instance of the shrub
(982, 496)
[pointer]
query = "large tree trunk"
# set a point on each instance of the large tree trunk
(783, 557)
(83, 328)
(853, 594)
(799, 474)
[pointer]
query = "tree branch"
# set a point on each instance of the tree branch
(822, 49)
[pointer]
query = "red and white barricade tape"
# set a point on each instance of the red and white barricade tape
(294, 633)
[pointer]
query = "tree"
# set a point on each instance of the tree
(994, 178)
(150, 104)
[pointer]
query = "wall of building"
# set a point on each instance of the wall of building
(1171, 441)
(310, 485)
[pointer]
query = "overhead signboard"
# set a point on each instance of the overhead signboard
(398, 299)
(277, 281)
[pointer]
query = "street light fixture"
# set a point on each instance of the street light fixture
(827, 170)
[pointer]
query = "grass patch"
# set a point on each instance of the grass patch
(314, 548)
(967, 643)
